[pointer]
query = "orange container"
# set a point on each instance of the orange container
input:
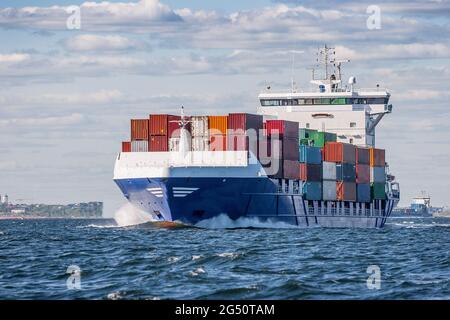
(339, 152)
(377, 157)
(158, 124)
(345, 191)
(218, 125)
(126, 146)
(139, 129)
(218, 142)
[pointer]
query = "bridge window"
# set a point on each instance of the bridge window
(352, 124)
(338, 101)
(377, 100)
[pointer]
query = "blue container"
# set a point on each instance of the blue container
(310, 155)
(363, 192)
(346, 172)
(312, 190)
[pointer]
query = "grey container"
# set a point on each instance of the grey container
(200, 144)
(139, 146)
(377, 174)
(329, 190)
(200, 127)
(329, 170)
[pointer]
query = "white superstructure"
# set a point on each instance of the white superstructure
(351, 113)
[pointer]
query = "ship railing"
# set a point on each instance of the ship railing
(311, 211)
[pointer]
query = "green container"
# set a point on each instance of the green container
(306, 133)
(306, 142)
(377, 191)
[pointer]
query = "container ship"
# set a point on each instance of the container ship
(305, 158)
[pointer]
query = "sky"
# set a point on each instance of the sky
(66, 95)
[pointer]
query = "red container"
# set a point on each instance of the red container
(218, 142)
(345, 191)
(173, 126)
(362, 155)
(126, 146)
(377, 157)
(291, 170)
(283, 128)
(158, 124)
(139, 129)
(158, 144)
(310, 172)
(339, 152)
(239, 123)
(362, 173)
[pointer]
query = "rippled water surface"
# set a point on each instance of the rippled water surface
(148, 262)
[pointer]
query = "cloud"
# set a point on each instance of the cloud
(43, 122)
(13, 58)
(93, 14)
(91, 42)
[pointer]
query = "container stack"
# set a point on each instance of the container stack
(159, 132)
(139, 135)
(363, 174)
(344, 155)
(242, 132)
(284, 134)
(311, 171)
(315, 138)
(218, 133)
(126, 146)
(377, 173)
(200, 133)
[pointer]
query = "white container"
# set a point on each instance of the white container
(199, 125)
(139, 146)
(174, 144)
(377, 174)
(329, 190)
(329, 170)
(200, 144)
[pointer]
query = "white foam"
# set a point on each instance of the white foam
(223, 221)
(231, 255)
(173, 259)
(129, 215)
(197, 271)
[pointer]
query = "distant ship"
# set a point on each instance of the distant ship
(420, 207)
(329, 172)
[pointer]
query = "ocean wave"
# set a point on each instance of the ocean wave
(223, 221)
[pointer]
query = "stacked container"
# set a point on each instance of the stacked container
(363, 174)
(344, 155)
(285, 135)
(200, 133)
(311, 171)
(218, 133)
(159, 132)
(243, 131)
(315, 138)
(329, 181)
(126, 146)
(139, 135)
(377, 173)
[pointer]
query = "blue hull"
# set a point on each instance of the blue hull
(191, 200)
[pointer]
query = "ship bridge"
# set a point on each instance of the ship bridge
(350, 112)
